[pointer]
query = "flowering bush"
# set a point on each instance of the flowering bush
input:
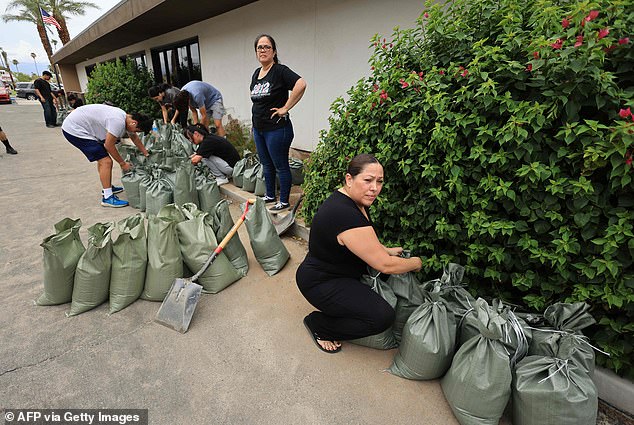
(506, 134)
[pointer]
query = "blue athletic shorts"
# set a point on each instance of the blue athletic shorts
(93, 149)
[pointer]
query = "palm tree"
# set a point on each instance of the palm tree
(62, 8)
(15, 62)
(28, 11)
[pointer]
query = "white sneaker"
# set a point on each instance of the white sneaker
(221, 180)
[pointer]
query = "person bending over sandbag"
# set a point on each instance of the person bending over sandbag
(342, 244)
(215, 152)
(94, 130)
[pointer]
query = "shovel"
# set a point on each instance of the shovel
(284, 223)
(178, 307)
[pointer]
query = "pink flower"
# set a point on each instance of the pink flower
(529, 67)
(592, 15)
(441, 72)
(536, 55)
(557, 44)
(624, 40)
(383, 95)
(603, 32)
(565, 23)
(628, 161)
(404, 84)
(426, 15)
(465, 73)
(579, 42)
(624, 113)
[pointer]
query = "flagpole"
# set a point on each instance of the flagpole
(39, 12)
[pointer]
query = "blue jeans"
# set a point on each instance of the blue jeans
(50, 113)
(272, 147)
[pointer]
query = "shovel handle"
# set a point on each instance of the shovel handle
(224, 242)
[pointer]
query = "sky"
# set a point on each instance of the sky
(20, 39)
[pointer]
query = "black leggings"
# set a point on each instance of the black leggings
(348, 308)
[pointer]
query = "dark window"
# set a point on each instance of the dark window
(138, 58)
(90, 69)
(178, 63)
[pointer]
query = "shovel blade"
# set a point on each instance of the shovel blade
(178, 307)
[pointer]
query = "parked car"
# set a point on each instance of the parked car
(5, 95)
(27, 90)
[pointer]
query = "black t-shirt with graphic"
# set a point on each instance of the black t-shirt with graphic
(271, 92)
(44, 87)
(220, 147)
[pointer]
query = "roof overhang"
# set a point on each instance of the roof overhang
(132, 21)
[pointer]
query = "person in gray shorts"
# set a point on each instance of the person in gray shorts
(204, 98)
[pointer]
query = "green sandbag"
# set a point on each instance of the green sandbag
(249, 177)
(384, 340)
(131, 180)
(185, 185)
(129, 261)
(92, 276)
(234, 250)
(566, 321)
(297, 171)
(208, 193)
(62, 251)
(409, 295)
(180, 141)
(266, 244)
(428, 342)
(238, 169)
(159, 193)
(552, 391)
(457, 299)
(478, 383)
(260, 185)
(143, 183)
(165, 262)
(197, 242)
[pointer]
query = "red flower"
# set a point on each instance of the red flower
(383, 95)
(557, 44)
(441, 72)
(592, 15)
(426, 15)
(609, 48)
(603, 32)
(565, 23)
(536, 55)
(465, 73)
(579, 42)
(375, 87)
(404, 84)
(391, 45)
(624, 113)
(372, 68)
(624, 40)
(628, 161)
(529, 67)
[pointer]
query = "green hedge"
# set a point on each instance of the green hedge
(125, 85)
(506, 138)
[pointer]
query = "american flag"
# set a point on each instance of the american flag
(48, 19)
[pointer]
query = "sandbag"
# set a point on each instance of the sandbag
(197, 241)
(260, 184)
(478, 383)
(249, 178)
(238, 169)
(297, 171)
(552, 391)
(159, 192)
(234, 250)
(165, 262)
(143, 184)
(384, 340)
(92, 276)
(185, 190)
(131, 180)
(409, 295)
(267, 246)
(566, 322)
(428, 341)
(62, 251)
(208, 193)
(129, 261)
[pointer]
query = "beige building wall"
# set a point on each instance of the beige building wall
(324, 41)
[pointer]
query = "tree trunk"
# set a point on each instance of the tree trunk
(64, 35)
(44, 40)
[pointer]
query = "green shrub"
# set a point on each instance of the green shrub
(124, 85)
(505, 135)
(240, 135)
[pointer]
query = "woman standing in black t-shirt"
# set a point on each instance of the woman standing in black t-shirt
(272, 128)
(342, 244)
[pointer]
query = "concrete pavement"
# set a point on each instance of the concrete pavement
(246, 359)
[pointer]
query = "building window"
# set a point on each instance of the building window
(138, 58)
(90, 69)
(178, 63)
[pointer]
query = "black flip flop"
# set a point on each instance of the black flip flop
(316, 338)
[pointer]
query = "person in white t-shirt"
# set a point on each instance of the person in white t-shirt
(94, 130)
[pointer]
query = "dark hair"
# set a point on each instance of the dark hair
(181, 101)
(144, 123)
(197, 127)
(358, 163)
(158, 89)
(255, 45)
(72, 96)
(47, 73)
